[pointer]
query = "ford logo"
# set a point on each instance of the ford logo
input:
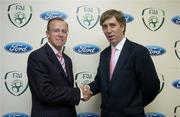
(156, 50)
(176, 84)
(88, 114)
(52, 14)
(86, 49)
(128, 18)
(154, 114)
(18, 47)
(176, 19)
(15, 114)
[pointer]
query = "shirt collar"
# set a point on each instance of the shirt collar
(119, 46)
(53, 48)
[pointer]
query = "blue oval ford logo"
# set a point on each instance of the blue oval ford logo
(88, 114)
(15, 114)
(156, 50)
(18, 47)
(176, 19)
(154, 114)
(128, 18)
(176, 84)
(52, 14)
(86, 49)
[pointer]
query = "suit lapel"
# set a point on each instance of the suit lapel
(106, 63)
(121, 60)
(52, 57)
(68, 72)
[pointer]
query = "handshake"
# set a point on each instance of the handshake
(86, 92)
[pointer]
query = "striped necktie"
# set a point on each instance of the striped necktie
(61, 60)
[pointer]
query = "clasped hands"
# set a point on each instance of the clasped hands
(86, 92)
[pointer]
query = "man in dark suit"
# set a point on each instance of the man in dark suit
(50, 76)
(126, 77)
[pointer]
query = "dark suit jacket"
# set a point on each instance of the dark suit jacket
(134, 83)
(53, 92)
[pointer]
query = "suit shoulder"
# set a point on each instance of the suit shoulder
(65, 55)
(37, 52)
(105, 50)
(138, 47)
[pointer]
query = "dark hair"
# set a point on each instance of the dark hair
(114, 13)
(56, 18)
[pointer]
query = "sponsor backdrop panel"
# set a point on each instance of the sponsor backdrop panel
(1, 56)
(169, 86)
(154, 24)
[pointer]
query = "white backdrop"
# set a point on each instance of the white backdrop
(21, 33)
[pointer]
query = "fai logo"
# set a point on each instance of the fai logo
(153, 18)
(19, 14)
(177, 49)
(87, 16)
(16, 82)
(177, 111)
(83, 78)
(44, 40)
(162, 81)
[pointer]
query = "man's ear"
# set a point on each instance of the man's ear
(47, 34)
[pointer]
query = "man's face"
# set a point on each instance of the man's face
(113, 30)
(57, 34)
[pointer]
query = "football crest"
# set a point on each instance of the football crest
(16, 82)
(153, 18)
(19, 14)
(88, 16)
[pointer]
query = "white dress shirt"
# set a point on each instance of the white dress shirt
(119, 47)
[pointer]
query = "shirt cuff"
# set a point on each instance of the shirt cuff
(81, 93)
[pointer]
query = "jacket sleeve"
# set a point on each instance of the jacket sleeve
(44, 88)
(147, 76)
(95, 85)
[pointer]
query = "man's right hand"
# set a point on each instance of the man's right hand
(87, 93)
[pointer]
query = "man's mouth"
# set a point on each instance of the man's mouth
(59, 39)
(110, 37)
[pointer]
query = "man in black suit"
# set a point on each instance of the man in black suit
(126, 77)
(50, 76)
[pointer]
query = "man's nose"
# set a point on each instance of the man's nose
(61, 33)
(109, 29)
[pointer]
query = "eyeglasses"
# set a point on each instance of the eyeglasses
(59, 31)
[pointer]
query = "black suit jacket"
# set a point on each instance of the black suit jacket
(134, 83)
(53, 92)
